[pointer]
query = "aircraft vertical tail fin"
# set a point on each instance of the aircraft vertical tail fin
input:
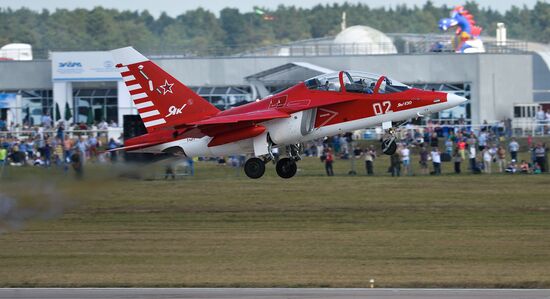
(161, 100)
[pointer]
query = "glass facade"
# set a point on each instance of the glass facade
(224, 97)
(34, 104)
(92, 105)
(460, 89)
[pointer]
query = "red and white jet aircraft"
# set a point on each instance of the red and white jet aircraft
(178, 121)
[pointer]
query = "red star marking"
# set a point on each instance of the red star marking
(167, 87)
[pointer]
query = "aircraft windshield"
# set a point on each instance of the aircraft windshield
(359, 82)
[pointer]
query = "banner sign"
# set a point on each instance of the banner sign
(84, 66)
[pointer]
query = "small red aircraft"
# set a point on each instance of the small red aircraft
(179, 121)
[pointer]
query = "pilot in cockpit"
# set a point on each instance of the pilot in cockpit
(366, 87)
(325, 86)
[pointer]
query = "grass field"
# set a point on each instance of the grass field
(222, 229)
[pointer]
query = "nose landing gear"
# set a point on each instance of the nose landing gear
(389, 143)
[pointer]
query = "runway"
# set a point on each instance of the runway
(271, 293)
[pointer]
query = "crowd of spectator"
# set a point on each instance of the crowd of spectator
(53, 147)
(486, 149)
(542, 119)
(486, 152)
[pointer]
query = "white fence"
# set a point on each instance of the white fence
(114, 133)
(519, 128)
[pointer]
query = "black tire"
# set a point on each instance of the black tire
(389, 146)
(286, 168)
(254, 168)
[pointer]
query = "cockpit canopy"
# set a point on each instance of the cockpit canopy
(355, 81)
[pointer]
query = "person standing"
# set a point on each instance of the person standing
(47, 151)
(424, 160)
(60, 130)
(540, 153)
(112, 145)
(501, 158)
(482, 141)
(67, 147)
(30, 148)
(77, 164)
(472, 157)
(329, 159)
(395, 166)
(434, 140)
(169, 171)
(462, 148)
(472, 140)
(487, 159)
(540, 117)
(3, 155)
(81, 148)
(457, 159)
(93, 144)
(58, 153)
(513, 147)
(406, 159)
(191, 166)
(46, 121)
(436, 160)
(545, 157)
(449, 146)
(508, 127)
(370, 155)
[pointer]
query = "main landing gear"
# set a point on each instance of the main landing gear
(286, 167)
(254, 168)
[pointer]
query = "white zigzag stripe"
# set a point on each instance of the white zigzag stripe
(144, 105)
(155, 122)
(149, 113)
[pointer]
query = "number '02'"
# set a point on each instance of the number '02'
(382, 108)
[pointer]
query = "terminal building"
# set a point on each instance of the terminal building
(88, 86)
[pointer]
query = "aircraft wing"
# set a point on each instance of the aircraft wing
(256, 116)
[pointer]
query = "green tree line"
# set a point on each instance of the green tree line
(201, 32)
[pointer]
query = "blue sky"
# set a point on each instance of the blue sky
(175, 7)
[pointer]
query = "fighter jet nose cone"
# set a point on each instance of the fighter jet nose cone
(454, 100)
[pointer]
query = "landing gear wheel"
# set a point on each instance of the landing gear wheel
(254, 168)
(389, 146)
(286, 168)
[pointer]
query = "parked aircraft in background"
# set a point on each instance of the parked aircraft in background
(178, 121)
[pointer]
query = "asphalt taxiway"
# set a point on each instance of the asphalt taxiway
(271, 293)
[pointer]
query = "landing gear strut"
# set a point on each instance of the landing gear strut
(389, 143)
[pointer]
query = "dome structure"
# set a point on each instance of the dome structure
(16, 52)
(364, 40)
